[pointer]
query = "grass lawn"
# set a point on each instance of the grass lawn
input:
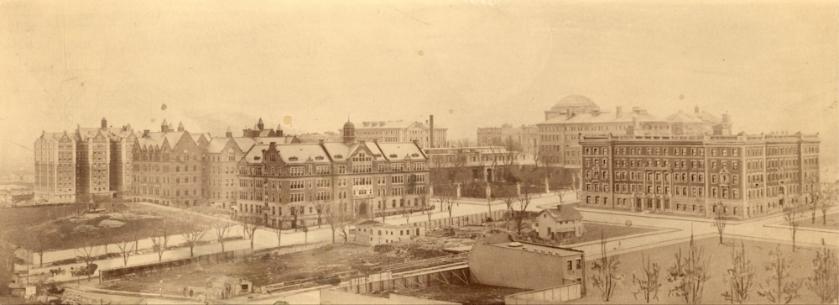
(62, 228)
(719, 258)
(266, 270)
(832, 222)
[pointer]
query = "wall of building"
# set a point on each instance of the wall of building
(510, 267)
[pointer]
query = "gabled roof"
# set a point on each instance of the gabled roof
(567, 212)
(302, 153)
(339, 151)
(244, 143)
(401, 151)
(278, 140)
(217, 145)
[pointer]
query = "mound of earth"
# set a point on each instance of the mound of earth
(84, 229)
(110, 223)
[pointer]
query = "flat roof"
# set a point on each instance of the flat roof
(539, 248)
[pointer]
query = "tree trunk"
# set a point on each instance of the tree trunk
(191, 254)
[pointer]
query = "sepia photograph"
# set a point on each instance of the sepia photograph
(275, 152)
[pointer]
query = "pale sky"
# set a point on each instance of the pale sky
(772, 65)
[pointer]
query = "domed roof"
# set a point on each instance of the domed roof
(349, 124)
(573, 100)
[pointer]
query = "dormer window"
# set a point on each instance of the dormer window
(339, 156)
(293, 159)
(415, 155)
(319, 158)
(391, 156)
(256, 158)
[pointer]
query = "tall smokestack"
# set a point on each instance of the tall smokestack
(431, 131)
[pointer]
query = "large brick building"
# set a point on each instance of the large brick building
(745, 175)
(169, 166)
(100, 159)
(297, 184)
(402, 132)
(576, 116)
(524, 139)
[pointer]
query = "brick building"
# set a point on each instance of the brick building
(101, 164)
(290, 185)
(55, 168)
(576, 116)
(745, 175)
(524, 139)
(401, 132)
(169, 166)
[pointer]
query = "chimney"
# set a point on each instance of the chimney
(145, 133)
(104, 123)
(431, 131)
(696, 109)
(618, 111)
(228, 133)
(559, 207)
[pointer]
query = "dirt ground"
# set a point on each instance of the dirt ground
(61, 228)
(464, 294)
(719, 260)
(268, 269)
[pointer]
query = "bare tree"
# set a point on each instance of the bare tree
(125, 248)
(278, 231)
(827, 201)
(320, 209)
(521, 214)
(87, 255)
(825, 279)
(739, 277)
(689, 274)
(159, 244)
(779, 288)
(648, 283)
(791, 217)
(337, 219)
(447, 203)
(719, 219)
(605, 269)
(221, 230)
(249, 226)
(192, 238)
(813, 204)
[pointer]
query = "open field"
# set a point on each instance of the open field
(594, 230)
(832, 222)
(274, 269)
(62, 227)
(719, 259)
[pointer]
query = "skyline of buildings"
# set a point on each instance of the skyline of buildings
(576, 116)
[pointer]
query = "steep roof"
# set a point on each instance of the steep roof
(302, 153)
(217, 145)
(567, 212)
(401, 151)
